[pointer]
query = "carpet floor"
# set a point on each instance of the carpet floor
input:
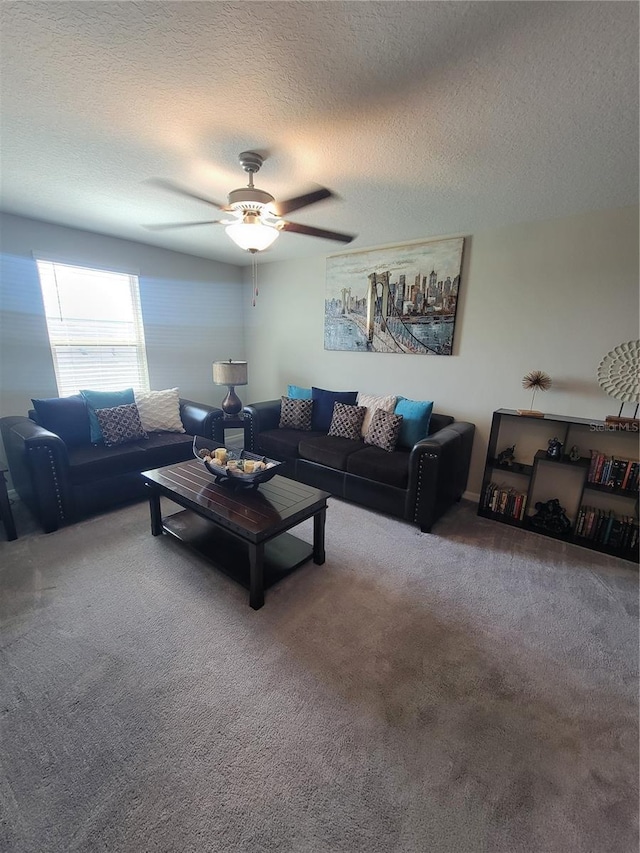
(469, 691)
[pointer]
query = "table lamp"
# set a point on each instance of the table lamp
(230, 373)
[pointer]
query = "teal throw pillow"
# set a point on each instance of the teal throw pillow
(295, 392)
(104, 400)
(416, 415)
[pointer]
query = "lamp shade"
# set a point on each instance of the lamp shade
(230, 372)
(252, 236)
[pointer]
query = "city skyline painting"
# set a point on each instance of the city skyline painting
(397, 300)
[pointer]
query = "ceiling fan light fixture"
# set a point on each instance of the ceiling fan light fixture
(252, 236)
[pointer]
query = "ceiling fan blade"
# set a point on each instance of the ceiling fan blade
(318, 232)
(283, 207)
(179, 190)
(166, 226)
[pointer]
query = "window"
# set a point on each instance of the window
(95, 328)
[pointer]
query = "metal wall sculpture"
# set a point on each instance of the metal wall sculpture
(397, 300)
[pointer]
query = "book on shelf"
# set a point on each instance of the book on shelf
(605, 527)
(614, 472)
(504, 500)
(627, 474)
(618, 472)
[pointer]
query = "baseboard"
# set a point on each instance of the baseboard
(471, 496)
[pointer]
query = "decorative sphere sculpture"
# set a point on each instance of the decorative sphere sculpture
(619, 372)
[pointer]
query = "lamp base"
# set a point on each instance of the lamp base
(232, 404)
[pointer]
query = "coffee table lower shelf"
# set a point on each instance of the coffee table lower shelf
(282, 555)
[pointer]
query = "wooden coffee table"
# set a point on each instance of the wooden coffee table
(241, 531)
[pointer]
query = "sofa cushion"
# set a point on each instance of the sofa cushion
(160, 410)
(104, 400)
(166, 448)
(295, 414)
(98, 462)
(372, 403)
(282, 443)
(373, 463)
(384, 430)
(416, 416)
(329, 450)
(120, 425)
(94, 462)
(298, 393)
(347, 421)
(323, 402)
(67, 417)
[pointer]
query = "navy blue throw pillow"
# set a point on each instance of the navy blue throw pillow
(67, 417)
(323, 402)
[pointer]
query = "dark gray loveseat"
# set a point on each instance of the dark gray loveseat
(416, 484)
(61, 484)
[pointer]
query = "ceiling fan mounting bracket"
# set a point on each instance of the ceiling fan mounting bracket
(251, 161)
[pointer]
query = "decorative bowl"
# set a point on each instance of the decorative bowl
(233, 474)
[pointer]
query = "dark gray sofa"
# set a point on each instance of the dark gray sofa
(417, 484)
(61, 484)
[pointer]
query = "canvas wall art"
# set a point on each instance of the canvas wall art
(401, 299)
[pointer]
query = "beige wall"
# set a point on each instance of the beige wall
(555, 295)
(192, 310)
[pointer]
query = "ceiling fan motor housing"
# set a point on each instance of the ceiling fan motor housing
(249, 198)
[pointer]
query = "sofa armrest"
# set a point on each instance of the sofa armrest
(39, 467)
(438, 472)
(259, 417)
(200, 419)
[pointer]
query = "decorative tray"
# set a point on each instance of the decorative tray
(228, 466)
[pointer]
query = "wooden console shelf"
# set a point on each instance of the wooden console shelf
(598, 491)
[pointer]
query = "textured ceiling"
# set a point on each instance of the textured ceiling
(426, 118)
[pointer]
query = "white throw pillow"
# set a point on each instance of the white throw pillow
(160, 410)
(371, 403)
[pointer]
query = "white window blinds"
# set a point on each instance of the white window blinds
(95, 328)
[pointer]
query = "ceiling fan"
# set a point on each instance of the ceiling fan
(255, 218)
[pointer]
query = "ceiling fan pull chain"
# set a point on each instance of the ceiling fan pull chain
(254, 275)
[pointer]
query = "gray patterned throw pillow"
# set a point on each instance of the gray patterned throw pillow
(347, 421)
(120, 424)
(295, 414)
(384, 430)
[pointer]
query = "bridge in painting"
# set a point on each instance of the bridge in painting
(384, 327)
